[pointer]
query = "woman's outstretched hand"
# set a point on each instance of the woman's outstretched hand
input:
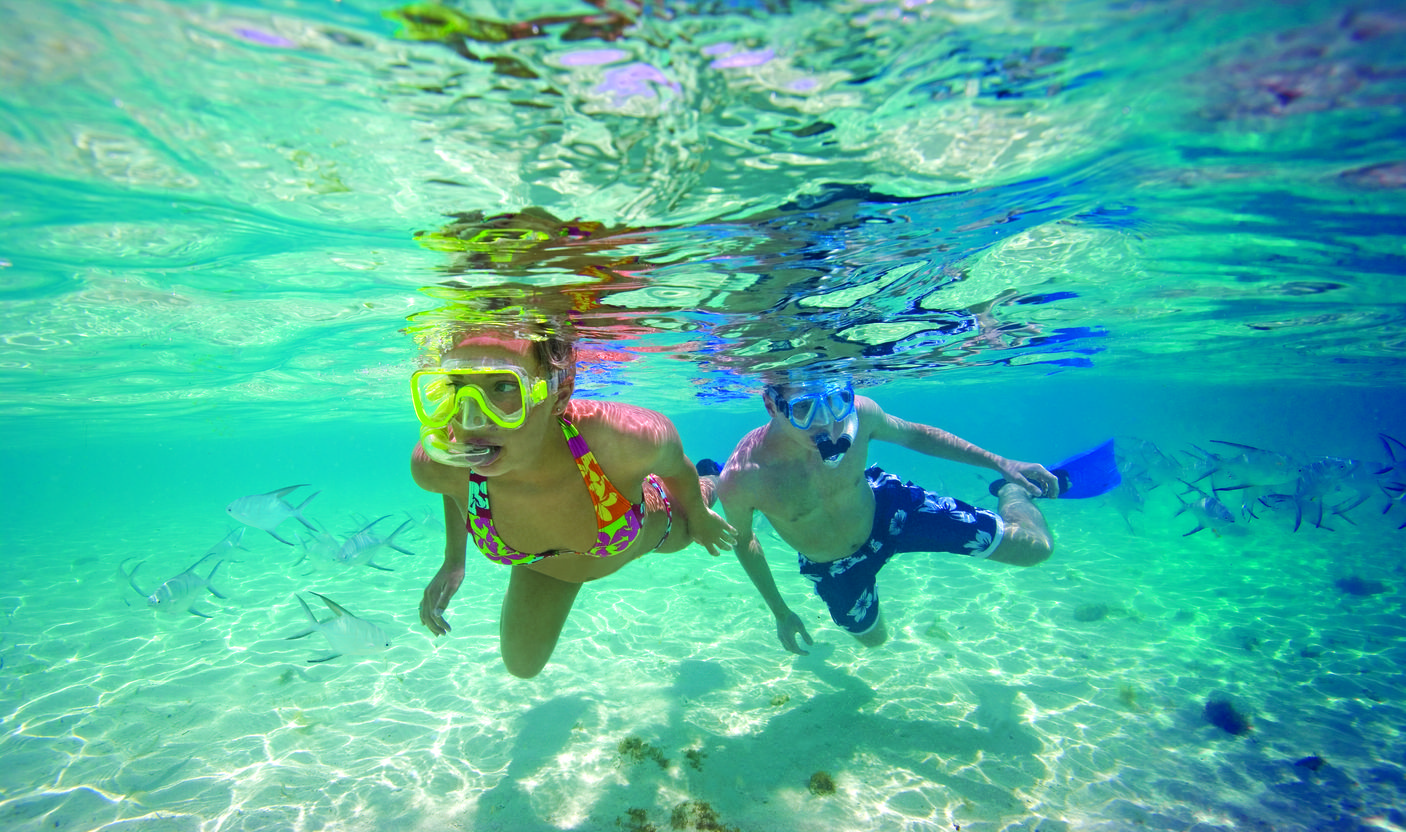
(436, 598)
(713, 533)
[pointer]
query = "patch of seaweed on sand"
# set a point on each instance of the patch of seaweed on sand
(634, 750)
(1359, 586)
(697, 815)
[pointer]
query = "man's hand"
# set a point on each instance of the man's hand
(1031, 476)
(786, 629)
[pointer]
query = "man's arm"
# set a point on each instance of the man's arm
(739, 510)
(926, 439)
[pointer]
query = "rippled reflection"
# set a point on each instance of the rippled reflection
(848, 278)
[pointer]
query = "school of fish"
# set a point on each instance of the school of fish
(1224, 488)
(346, 633)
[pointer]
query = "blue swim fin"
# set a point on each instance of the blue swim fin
(707, 467)
(1088, 474)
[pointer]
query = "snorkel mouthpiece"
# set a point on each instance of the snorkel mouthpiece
(834, 450)
(831, 452)
(439, 447)
(472, 453)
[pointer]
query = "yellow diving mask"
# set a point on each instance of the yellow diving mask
(477, 393)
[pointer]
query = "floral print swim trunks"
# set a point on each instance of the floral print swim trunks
(907, 518)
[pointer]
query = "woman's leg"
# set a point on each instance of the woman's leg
(534, 611)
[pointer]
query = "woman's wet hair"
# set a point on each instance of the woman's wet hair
(556, 354)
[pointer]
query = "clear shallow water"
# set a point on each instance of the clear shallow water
(1035, 225)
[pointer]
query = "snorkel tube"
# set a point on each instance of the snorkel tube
(832, 451)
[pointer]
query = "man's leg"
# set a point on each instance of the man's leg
(875, 637)
(850, 590)
(1027, 539)
(928, 522)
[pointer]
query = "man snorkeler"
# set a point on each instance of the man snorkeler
(804, 470)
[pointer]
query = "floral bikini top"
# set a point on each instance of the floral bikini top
(618, 520)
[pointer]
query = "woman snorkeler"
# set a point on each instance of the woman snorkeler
(562, 491)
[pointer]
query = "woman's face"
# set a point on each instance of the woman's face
(503, 449)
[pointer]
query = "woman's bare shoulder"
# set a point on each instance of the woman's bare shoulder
(621, 422)
(623, 437)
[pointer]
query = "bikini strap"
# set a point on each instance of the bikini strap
(617, 519)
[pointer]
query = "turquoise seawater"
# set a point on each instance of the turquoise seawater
(1034, 224)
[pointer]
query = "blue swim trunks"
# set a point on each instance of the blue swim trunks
(907, 518)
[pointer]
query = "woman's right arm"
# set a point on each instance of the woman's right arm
(440, 479)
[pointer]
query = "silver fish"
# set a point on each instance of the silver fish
(428, 520)
(1201, 464)
(1251, 466)
(1126, 499)
(1209, 512)
(233, 540)
(180, 592)
(320, 548)
(348, 635)
(1249, 497)
(1399, 491)
(1320, 480)
(362, 546)
(1142, 461)
(267, 511)
(1392, 477)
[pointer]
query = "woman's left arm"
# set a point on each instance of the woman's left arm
(707, 528)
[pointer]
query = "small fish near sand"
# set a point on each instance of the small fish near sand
(268, 511)
(317, 550)
(180, 592)
(348, 635)
(1210, 513)
(359, 549)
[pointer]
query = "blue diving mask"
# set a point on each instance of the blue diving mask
(819, 408)
(818, 401)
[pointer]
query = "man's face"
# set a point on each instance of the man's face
(823, 411)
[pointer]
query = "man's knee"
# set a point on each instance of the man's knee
(1024, 549)
(1038, 550)
(877, 635)
(708, 484)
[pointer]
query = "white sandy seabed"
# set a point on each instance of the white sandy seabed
(670, 705)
